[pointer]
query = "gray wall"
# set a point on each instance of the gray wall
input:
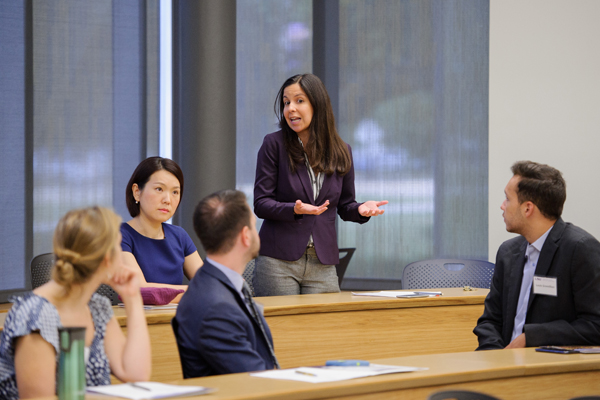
(544, 101)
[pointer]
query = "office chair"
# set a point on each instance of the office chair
(443, 273)
(460, 395)
(108, 292)
(248, 275)
(343, 264)
(41, 269)
(41, 272)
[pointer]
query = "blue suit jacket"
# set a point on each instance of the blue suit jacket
(214, 329)
(572, 256)
(276, 189)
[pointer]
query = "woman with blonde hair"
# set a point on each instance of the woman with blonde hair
(87, 246)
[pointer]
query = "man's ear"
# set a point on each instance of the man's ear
(246, 236)
(528, 208)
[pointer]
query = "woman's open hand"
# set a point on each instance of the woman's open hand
(304, 208)
(371, 208)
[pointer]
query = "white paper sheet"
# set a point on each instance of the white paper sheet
(148, 390)
(332, 374)
(402, 293)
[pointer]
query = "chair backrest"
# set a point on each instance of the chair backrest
(442, 273)
(41, 269)
(108, 292)
(248, 275)
(343, 264)
(460, 395)
(41, 272)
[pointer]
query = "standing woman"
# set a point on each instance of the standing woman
(304, 173)
(160, 252)
(87, 246)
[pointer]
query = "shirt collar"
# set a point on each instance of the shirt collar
(236, 279)
(538, 244)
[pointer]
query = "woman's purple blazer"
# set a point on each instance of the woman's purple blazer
(284, 235)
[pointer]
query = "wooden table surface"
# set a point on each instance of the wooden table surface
(507, 374)
(310, 329)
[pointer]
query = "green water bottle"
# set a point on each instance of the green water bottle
(71, 367)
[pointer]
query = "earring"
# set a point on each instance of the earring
(137, 202)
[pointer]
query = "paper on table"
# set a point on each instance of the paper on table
(148, 390)
(383, 294)
(332, 374)
(397, 293)
(170, 306)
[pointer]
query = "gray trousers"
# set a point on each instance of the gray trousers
(273, 277)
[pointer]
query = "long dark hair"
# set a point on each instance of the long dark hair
(326, 151)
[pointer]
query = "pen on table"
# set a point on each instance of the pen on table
(137, 386)
(305, 373)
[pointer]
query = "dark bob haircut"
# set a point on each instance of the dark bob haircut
(142, 174)
(543, 185)
(219, 218)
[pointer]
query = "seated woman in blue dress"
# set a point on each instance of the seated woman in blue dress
(87, 246)
(161, 253)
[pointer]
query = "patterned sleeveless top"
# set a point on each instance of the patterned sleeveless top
(34, 314)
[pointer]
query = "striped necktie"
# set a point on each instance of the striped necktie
(256, 315)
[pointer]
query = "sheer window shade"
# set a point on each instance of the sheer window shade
(413, 101)
(274, 42)
(13, 185)
(94, 69)
(91, 117)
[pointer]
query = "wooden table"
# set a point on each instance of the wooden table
(310, 329)
(508, 374)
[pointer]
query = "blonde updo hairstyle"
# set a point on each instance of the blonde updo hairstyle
(81, 240)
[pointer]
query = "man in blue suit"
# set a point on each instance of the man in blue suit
(546, 284)
(218, 327)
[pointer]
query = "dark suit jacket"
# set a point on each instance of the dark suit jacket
(571, 318)
(276, 189)
(215, 332)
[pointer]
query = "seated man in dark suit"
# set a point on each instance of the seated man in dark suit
(218, 327)
(546, 284)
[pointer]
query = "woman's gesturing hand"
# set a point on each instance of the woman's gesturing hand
(371, 208)
(303, 208)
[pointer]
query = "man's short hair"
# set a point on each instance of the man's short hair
(219, 218)
(543, 185)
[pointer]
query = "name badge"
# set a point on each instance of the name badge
(544, 285)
